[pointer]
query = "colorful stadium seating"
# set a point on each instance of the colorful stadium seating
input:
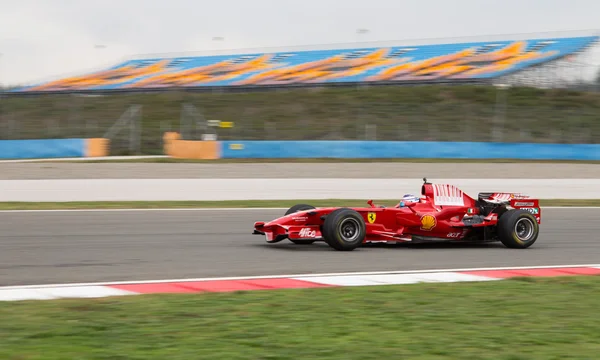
(469, 61)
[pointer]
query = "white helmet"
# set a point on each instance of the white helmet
(408, 198)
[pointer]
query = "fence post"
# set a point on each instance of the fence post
(500, 112)
(132, 118)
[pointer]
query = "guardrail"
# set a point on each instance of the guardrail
(53, 148)
(407, 149)
(210, 150)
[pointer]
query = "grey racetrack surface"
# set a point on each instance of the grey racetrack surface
(90, 246)
(389, 170)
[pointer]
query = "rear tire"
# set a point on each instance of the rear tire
(344, 229)
(296, 208)
(518, 229)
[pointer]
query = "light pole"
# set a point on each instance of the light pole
(1, 85)
(99, 47)
(360, 32)
(218, 39)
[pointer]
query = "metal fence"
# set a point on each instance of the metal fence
(135, 123)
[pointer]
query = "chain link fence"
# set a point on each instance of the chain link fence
(135, 123)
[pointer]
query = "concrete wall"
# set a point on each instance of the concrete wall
(53, 148)
(407, 149)
(190, 149)
(210, 150)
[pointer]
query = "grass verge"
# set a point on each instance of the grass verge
(235, 204)
(529, 319)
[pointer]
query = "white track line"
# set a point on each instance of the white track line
(304, 276)
(396, 279)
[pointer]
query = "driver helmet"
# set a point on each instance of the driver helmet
(408, 198)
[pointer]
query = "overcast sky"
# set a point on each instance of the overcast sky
(46, 39)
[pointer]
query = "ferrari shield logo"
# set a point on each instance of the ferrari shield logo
(428, 222)
(371, 217)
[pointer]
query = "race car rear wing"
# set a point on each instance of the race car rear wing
(515, 201)
(501, 198)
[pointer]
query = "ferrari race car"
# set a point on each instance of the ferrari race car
(442, 213)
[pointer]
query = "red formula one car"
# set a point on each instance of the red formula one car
(442, 213)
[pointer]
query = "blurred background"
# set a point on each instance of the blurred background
(385, 70)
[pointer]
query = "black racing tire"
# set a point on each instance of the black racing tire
(296, 208)
(344, 229)
(518, 229)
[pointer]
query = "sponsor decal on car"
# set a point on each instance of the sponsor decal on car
(307, 233)
(524, 203)
(534, 211)
(456, 235)
(371, 217)
(428, 222)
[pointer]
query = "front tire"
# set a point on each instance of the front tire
(344, 229)
(518, 229)
(296, 208)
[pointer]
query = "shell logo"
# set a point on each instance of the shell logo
(428, 222)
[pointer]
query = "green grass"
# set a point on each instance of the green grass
(518, 319)
(432, 112)
(236, 204)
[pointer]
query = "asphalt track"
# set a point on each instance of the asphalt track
(374, 170)
(90, 246)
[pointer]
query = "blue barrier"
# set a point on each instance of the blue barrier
(407, 149)
(42, 149)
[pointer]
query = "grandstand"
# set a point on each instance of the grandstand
(474, 62)
(189, 93)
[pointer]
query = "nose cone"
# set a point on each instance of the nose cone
(259, 228)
